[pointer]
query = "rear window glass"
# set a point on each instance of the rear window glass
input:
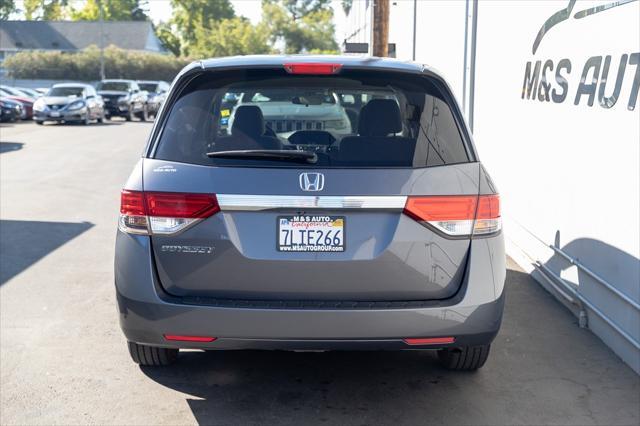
(149, 87)
(113, 85)
(262, 118)
(66, 91)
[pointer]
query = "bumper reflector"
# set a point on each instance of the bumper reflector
(430, 340)
(204, 339)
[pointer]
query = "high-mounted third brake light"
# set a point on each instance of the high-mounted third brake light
(457, 215)
(313, 69)
(163, 212)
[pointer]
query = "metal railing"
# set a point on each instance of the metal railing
(573, 296)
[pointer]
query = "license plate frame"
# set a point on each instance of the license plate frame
(321, 224)
(55, 114)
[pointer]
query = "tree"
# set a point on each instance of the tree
(192, 16)
(7, 7)
(112, 10)
(303, 26)
(47, 10)
(236, 36)
(84, 65)
(346, 6)
(167, 35)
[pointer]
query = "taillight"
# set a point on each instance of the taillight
(315, 69)
(429, 340)
(178, 338)
(457, 215)
(163, 213)
(133, 216)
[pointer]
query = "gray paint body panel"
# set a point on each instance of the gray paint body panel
(145, 315)
(388, 256)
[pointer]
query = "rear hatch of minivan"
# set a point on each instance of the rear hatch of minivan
(246, 213)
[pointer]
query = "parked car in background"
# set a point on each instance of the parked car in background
(42, 90)
(286, 112)
(29, 92)
(26, 101)
(123, 98)
(303, 238)
(69, 102)
(10, 110)
(156, 94)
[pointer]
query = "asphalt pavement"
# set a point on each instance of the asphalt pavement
(63, 359)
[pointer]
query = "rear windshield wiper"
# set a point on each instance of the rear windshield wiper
(271, 154)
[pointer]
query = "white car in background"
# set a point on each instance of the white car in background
(309, 110)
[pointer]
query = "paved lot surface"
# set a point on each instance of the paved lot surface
(64, 361)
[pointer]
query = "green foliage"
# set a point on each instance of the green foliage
(7, 7)
(346, 6)
(85, 65)
(169, 38)
(47, 10)
(302, 26)
(112, 10)
(229, 37)
(198, 16)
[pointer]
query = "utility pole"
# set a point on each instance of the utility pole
(469, 77)
(381, 28)
(101, 23)
(415, 12)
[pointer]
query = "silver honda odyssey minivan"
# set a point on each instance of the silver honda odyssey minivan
(254, 220)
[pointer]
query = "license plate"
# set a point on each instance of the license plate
(314, 233)
(55, 114)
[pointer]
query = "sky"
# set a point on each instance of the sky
(160, 10)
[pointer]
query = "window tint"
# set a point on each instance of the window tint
(66, 91)
(149, 87)
(113, 85)
(356, 119)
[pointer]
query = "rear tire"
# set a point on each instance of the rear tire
(144, 114)
(466, 358)
(130, 114)
(152, 356)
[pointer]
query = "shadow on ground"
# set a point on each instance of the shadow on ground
(301, 388)
(10, 146)
(81, 124)
(22, 243)
(272, 387)
(523, 382)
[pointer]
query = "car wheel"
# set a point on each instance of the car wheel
(87, 119)
(39, 122)
(101, 118)
(466, 358)
(151, 355)
(130, 114)
(144, 114)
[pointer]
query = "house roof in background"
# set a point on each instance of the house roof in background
(76, 35)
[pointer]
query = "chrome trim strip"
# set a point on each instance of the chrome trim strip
(236, 202)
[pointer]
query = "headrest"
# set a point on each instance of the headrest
(380, 117)
(248, 120)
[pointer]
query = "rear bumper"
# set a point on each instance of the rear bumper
(119, 110)
(237, 328)
(75, 115)
(146, 315)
